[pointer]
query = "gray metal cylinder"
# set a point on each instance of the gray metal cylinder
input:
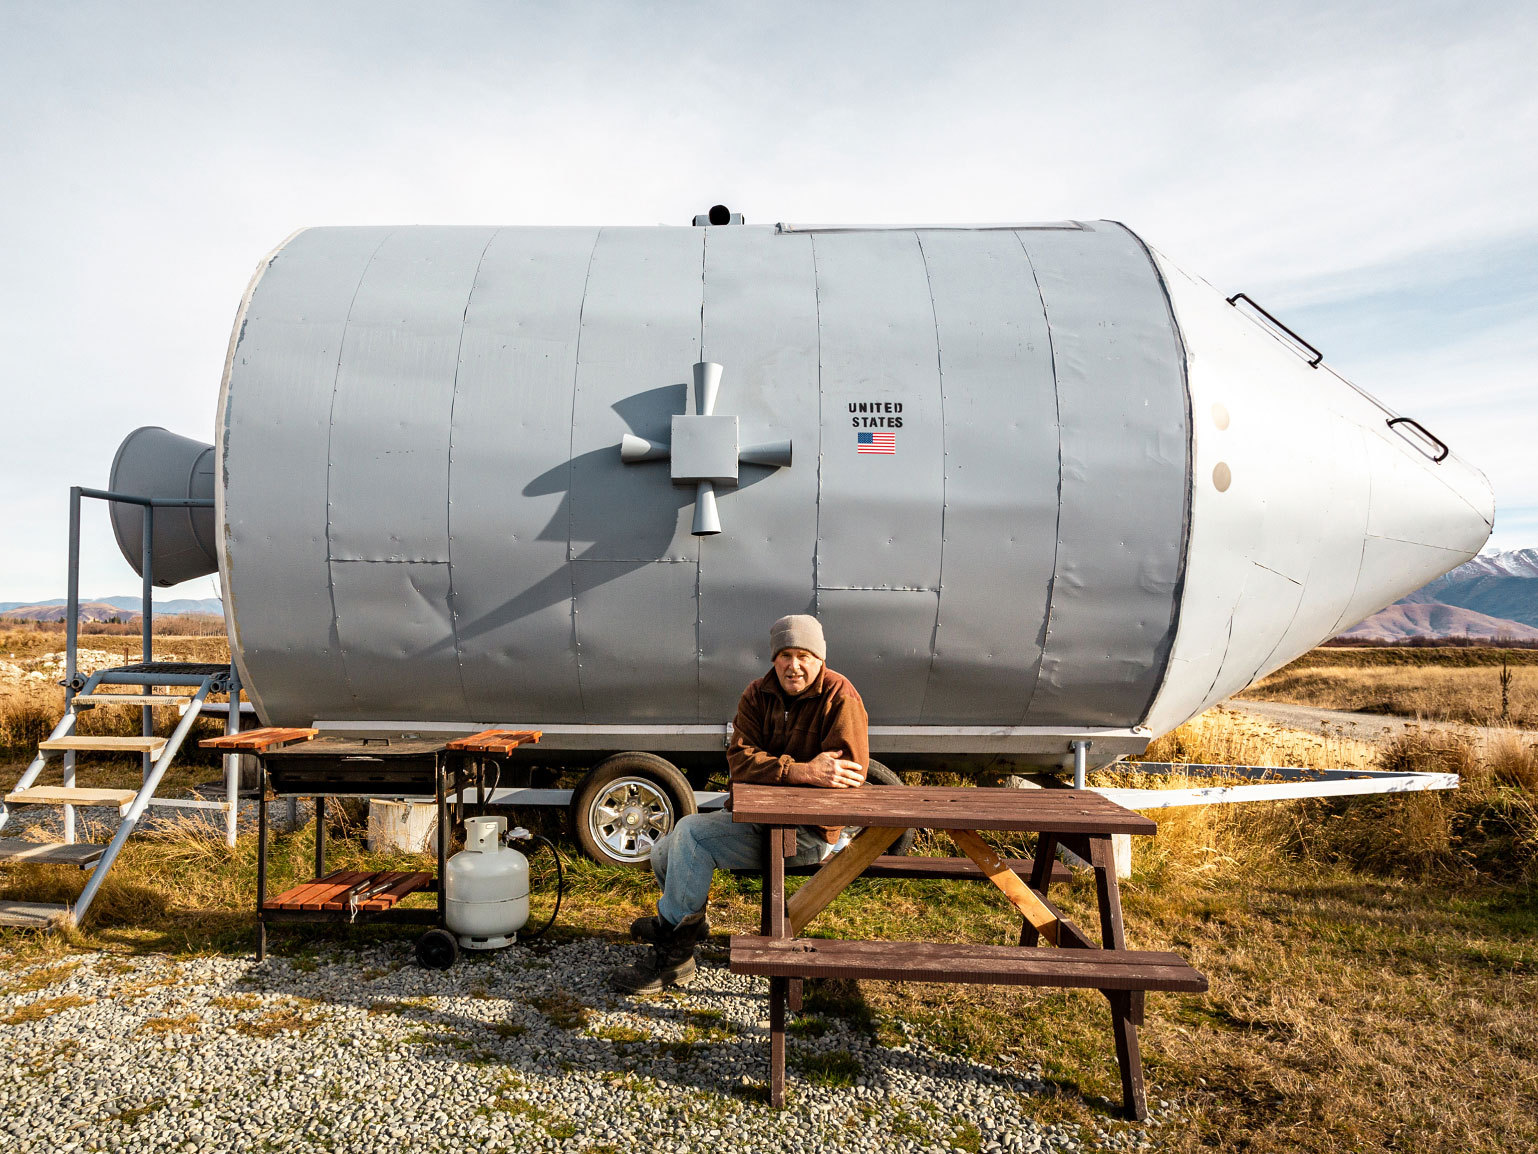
(427, 515)
(1038, 484)
(153, 462)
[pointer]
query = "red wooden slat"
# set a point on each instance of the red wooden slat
(294, 898)
(403, 885)
(496, 740)
(932, 807)
(953, 963)
(340, 881)
(258, 740)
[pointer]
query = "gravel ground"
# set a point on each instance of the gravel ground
(520, 1049)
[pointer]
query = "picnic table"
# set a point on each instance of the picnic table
(1079, 820)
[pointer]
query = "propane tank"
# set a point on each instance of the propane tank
(486, 888)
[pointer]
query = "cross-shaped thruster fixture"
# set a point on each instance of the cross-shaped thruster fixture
(705, 450)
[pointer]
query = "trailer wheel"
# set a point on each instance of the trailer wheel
(878, 774)
(625, 804)
(437, 950)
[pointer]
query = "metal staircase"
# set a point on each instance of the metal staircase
(191, 684)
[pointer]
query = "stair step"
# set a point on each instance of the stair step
(150, 745)
(72, 795)
(81, 853)
(33, 915)
(134, 698)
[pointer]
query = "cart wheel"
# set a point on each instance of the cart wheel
(437, 950)
(625, 804)
(878, 774)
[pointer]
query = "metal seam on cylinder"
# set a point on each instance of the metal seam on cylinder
(1057, 525)
(571, 469)
(1178, 596)
(341, 348)
(448, 480)
(934, 633)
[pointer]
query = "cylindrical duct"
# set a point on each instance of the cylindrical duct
(153, 462)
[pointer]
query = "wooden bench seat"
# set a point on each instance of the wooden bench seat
(963, 962)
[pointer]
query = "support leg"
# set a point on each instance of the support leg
(1126, 1006)
(1041, 877)
(777, 996)
(320, 837)
(261, 864)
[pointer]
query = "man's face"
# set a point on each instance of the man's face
(796, 669)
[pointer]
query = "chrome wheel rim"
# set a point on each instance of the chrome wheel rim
(628, 817)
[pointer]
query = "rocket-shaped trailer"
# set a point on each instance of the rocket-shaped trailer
(1039, 484)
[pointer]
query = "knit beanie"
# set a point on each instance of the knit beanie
(798, 631)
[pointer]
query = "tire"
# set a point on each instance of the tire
(625, 804)
(437, 950)
(878, 774)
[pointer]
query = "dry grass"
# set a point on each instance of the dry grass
(182, 1024)
(1448, 693)
(1373, 961)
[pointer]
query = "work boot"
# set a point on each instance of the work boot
(668, 962)
(650, 930)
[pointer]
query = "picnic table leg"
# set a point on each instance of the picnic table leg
(777, 994)
(1126, 1005)
(779, 988)
(1041, 877)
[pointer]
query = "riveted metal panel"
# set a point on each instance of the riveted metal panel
(761, 327)
(879, 514)
(877, 638)
(1122, 523)
(509, 472)
(639, 343)
(1000, 525)
(273, 432)
(636, 640)
(388, 488)
(390, 616)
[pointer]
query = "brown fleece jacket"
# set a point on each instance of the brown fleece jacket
(775, 735)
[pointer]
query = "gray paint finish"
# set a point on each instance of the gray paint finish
(273, 446)
(1000, 476)
(509, 474)
(761, 325)
(1124, 435)
(493, 560)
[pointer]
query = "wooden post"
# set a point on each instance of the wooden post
(1018, 893)
(837, 872)
(1126, 1006)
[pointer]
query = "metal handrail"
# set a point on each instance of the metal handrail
(1425, 432)
(1318, 356)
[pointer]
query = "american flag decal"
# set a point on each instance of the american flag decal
(875, 443)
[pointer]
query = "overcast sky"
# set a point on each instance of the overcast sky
(1365, 170)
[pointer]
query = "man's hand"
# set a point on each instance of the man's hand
(831, 771)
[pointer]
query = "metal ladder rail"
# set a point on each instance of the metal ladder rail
(65, 728)
(147, 791)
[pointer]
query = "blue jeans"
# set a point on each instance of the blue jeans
(686, 859)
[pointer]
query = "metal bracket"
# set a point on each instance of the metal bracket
(705, 450)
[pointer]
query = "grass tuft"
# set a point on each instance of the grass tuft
(44, 1008)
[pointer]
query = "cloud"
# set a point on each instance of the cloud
(1331, 158)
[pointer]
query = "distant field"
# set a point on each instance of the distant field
(1453, 684)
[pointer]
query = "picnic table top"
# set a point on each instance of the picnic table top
(937, 807)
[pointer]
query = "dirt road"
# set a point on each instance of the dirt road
(1374, 727)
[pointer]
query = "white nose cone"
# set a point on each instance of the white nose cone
(1309, 509)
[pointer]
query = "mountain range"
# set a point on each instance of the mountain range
(106, 608)
(1493, 596)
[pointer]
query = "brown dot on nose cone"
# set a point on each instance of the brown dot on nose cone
(1220, 415)
(1222, 476)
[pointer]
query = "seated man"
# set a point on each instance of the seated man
(799, 724)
